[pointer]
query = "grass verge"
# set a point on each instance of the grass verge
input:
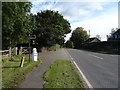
(62, 74)
(12, 74)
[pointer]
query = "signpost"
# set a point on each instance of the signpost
(31, 37)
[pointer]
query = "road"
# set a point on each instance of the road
(101, 70)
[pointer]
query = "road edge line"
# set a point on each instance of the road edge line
(83, 76)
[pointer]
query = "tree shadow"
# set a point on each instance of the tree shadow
(11, 67)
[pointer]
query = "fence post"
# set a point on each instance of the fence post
(10, 52)
(22, 61)
(15, 50)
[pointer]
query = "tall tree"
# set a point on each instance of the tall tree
(51, 28)
(110, 36)
(15, 22)
(79, 36)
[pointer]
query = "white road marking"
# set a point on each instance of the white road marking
(113, 55)
(83, 76)
(95, 56)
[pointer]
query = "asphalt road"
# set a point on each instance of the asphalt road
(101, 70)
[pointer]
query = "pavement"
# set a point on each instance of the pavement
(35, 78)
(100, 70)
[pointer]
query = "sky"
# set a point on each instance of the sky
(98, 16)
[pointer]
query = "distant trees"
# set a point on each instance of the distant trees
(79, 36)
(51, 28)
(69, 44)
(16, 22)
(110, 36)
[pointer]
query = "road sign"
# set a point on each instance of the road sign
(32, 36)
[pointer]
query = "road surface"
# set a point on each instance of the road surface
(101, 70)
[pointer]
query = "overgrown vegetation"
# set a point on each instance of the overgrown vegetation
(12, 74)
(55, 47)
(106, 47)
(69, 44)
(62, 74)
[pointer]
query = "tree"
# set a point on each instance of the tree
(69, 44)
(79, 36)
(15, 22)
(110, 36)
(51, 28)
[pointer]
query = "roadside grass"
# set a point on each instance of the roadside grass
(62, 74)
(108, 52)
(12, 74)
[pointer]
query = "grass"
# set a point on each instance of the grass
(12, 74)
(62, 74)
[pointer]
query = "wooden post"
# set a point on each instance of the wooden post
(10, 52)
(22, 61)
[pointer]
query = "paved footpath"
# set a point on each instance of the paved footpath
(35, 78)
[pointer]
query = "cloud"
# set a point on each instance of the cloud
(100, 25)
(99, 17)
(75, 0)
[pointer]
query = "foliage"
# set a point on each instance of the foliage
(16, 22)
(103, 47)
(69, 44)
(51, 28)
(55, 47)
(110, 36)
(62, 74)
(79, 36)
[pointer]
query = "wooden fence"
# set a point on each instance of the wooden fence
(5, 54)
(14, 51)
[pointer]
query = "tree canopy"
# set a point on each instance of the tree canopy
(51, 28)
(79, 36)
(69, 44)
(16, 22)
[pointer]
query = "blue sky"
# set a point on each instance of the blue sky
(98, 17)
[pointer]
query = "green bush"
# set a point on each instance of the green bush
(69, 44)
(55, 47)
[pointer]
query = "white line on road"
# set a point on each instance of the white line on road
(95, 56)
(83, 76)
(113, 55)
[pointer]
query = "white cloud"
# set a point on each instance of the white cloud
(100, 25)
(76, 0)
(91, 15)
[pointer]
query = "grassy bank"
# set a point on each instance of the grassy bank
(62, 74)
(12, 74)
